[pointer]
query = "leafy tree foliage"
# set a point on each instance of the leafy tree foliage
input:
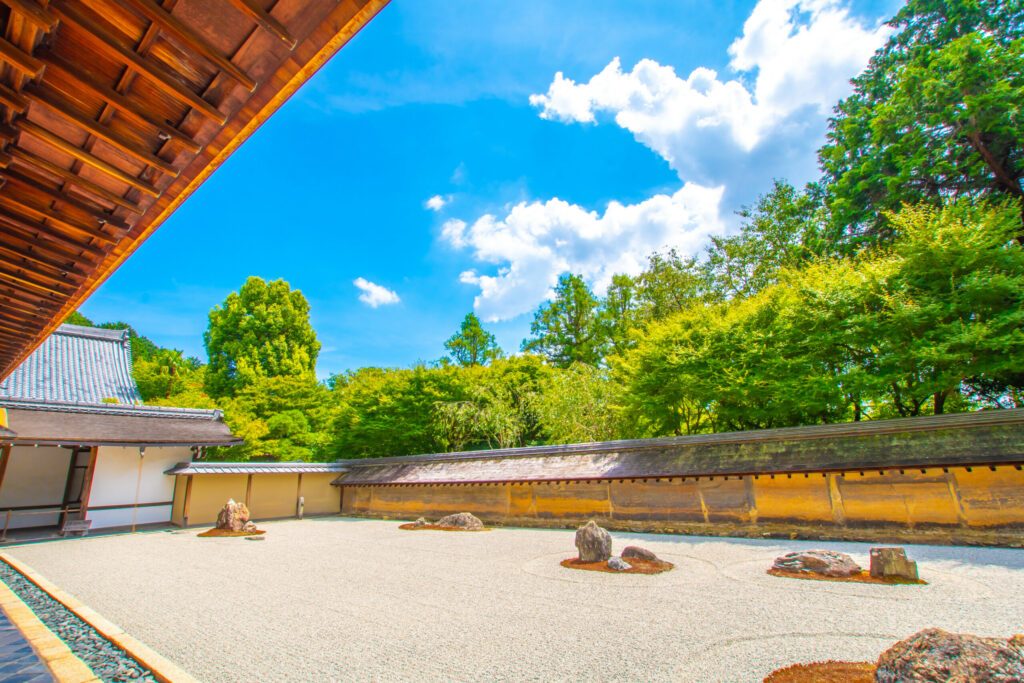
(261, 331)
(936, 116)
(472, 344)
(567, 330)
(578, 405)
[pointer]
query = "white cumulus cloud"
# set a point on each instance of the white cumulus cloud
(536, 242)
(726, 139)
(800, 54)
(436, 203)
(373, 295)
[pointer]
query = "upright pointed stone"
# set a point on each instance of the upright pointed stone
(593, 543)
(892, 562)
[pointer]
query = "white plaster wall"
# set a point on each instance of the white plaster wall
(117, 472)
(35, 476)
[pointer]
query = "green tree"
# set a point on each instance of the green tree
(619, 315)
(472, 344)
(165, 373)
(671, 283)
(935, 116)
(263, 330)
(578, 405)
(780, 231)
(566, 330)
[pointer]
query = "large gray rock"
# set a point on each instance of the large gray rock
(824, 562)
(233, 516)
(461, 520)
(635, 551)
(593, 543)
(937, 656)
(892, 562)
(618, 564)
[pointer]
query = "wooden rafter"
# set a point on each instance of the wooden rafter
(267, 22)
(34, 161)
(156, 73)
(33, 13)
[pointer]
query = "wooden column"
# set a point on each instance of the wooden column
(87, 485)
(248, 494)
(5, 457)
(298, 499)
(188, 501)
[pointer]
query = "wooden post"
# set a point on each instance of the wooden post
(5, 457)
(138, 488)
(87, 485)
(248, 494)
(298, 498)
(835, 497)
(188, 501)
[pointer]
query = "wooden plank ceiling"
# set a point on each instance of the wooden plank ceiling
(114, 112)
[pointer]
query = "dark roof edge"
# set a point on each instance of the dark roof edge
(17, 441)
(985, 418)
(112, 409)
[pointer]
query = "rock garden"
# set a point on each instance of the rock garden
(233, 520)
(460, 521)
(594, 546)
(929, 656)
(888, 566)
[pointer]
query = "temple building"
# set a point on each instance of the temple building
(78, 443)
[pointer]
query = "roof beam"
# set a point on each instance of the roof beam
(101, 216)
(19, 59)
(12, 99)
(267, 22)
(171, 24)
(46, 232)
(32, 161)
(116, 100)
(85, 157)
(28, 245)
(57, 217)
(41, 96)
(154, 72)
(33, 13)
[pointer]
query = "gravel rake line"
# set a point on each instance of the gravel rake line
(109, 662)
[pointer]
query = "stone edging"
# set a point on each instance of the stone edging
(163, 669)
(51, 650)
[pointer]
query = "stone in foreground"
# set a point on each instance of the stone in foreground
(460, 520)
(593, 543)
(233, 516)
(421, 521)
(618, 564)
(892, 563)
(636, 552)
(936, 656)
(824, 562)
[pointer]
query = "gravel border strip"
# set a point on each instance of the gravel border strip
(108, 662)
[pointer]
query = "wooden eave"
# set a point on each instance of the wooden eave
(112, 112)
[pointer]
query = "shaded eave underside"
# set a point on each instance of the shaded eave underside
(114, 112)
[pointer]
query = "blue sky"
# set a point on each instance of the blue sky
(531, 173)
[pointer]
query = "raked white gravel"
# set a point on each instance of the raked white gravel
(335, 599)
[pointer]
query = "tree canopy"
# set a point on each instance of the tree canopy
(472, 344)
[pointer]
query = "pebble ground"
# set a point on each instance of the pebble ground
(335, 599)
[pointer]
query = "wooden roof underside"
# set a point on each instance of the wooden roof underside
(114, 112)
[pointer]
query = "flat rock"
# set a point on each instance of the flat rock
(934, 656)
(635, 551)
(892, 563)
(593, 543)
(255, 538)
(461, 520)
(618, 564)
(421, 522)
(824, 562)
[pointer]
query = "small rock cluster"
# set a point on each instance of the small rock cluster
(594, 544)
(937, 656)
(109, 662)
(824, 562)
(886, 563)
(460, 520)
(234, 517)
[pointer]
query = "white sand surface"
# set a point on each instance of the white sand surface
(336, 599)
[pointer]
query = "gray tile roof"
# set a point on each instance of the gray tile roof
(255, 468)
(76, 365)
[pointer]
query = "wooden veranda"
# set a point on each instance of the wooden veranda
(114, 112)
